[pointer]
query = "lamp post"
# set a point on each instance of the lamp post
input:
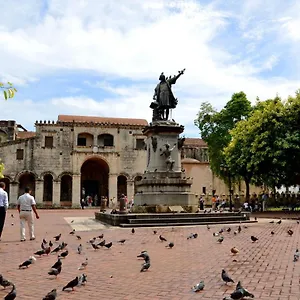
(225, 169)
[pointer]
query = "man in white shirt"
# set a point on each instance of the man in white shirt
(26, 204)
(3, 206)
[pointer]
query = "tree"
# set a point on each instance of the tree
(8, 90)
(215, 127)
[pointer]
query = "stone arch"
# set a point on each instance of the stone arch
(137, 178)
(63, 174)
(94, 178)
(121, 185)
(17, 177)
(48, 186)
(105, 140)
(7, 180)
(26, 179)
(48, 173)
(85, 139)
(66, 184)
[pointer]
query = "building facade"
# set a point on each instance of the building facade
(66, 160)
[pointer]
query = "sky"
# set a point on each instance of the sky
(104, 57)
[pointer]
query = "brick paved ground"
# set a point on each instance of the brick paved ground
(265, 268)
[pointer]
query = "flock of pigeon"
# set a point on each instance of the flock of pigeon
(99, 242)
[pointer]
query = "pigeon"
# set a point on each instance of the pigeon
(43, 245)
(198, 287)
(239, 229)
(108, 245)
(40, 252)
(83, 265)
(82, 279)
(207, 226)
(12, 215)
(225, 277)
(215, 234)
(47, 250)
(145, 266)
(122, 241)
(51, 295)
(72, 232)
(240, 293)
(298, 222)
(228, 230)
(162, 238)
(55, 272)
(170, 246)
(235, 232)
(50, 244)
(79, 249)
(27, 262)
(12, 294)
(71, 284)
(72, 221)
(132, 230)
(57, 249)
(253, 238)
(154, 232)
(63, 245)
(101, 244)
(221, 231)
(234, 250)
(272, 232)
(192, 236)
(220, 239)
(57, 237)
(5, 283)
(57, 264)
(272, 222)
(290, 232)
(78, 237)
(296, 255)
(145, 256)
(279, 222)
(95, 247)
(91, 241)
(64, 254)
(100, 236)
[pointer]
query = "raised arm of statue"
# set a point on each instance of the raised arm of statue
(172, 80)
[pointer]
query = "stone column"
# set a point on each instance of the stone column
(76, 193)
(130, 189)
(13, 192)
(113, 186)
(56, 193)
(39, 191)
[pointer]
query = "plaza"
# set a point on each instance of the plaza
(265, 268)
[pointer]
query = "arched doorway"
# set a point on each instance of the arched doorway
(7, 184)
(48, 188)
(136, 179)
(27, 180)
(122, 185)
(94, 178)
(66, 189)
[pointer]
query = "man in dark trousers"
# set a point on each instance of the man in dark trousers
(3, 206)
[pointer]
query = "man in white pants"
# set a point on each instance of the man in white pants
(26, 204)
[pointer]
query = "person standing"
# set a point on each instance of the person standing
(3, 206)
(26, 204)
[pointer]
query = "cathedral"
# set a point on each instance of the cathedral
(74, 157)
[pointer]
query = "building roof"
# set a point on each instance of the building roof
(194, 142)
(25, 134)
(113, 121)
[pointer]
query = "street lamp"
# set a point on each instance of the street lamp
(225, 169)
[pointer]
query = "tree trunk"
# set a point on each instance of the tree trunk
(247, 182)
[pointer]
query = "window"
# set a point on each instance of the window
(20, 154)
(204, 190)
(140, 144)
(81, 141)
(105, 140)
(48, 141)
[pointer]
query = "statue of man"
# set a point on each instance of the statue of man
(163, 94)
(167, 153)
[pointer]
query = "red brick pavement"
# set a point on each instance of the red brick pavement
(266, 267)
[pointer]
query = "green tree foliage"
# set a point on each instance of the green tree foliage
(8, 90)
(215, 126)
(1, 169)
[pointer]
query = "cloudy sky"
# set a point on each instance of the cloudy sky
(104, 57)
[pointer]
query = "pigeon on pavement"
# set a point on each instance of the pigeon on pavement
(51, 295)
(198, 287)
(253, 238)
(71, 284)
(55, 272)
(5, 283)
(64, 254)
(12, 294)
(170, 246)
(27, 262)
(83, 265)
(79, 249)
(162, 238)
(226, 277)
(57, 237)
(57, 264)
(145, 266)
(296, 255)
(234, 250)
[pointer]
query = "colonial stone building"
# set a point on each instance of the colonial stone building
(75, 156)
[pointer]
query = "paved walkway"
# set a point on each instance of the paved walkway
(266, 267)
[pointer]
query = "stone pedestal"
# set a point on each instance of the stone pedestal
(39, 191)
(163, 182)
(76, 183)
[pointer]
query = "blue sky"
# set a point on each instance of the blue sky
(103, 58)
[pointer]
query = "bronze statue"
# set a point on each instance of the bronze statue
(167, 153)
(163, 97)
(181, 142)
(154, 143)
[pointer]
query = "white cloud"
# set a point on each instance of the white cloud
(138, 40)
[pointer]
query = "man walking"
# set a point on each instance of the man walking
(26, 204)
(3, 206)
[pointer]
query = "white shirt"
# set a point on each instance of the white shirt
(25, 201)
(3, 198)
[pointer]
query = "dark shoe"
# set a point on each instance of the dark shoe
(23, 240)
(32, 239)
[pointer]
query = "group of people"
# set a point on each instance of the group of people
(26, 207)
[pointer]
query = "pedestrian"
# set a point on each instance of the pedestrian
(82, 202)
(201, 203)
(26, 204)
(3, 206)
